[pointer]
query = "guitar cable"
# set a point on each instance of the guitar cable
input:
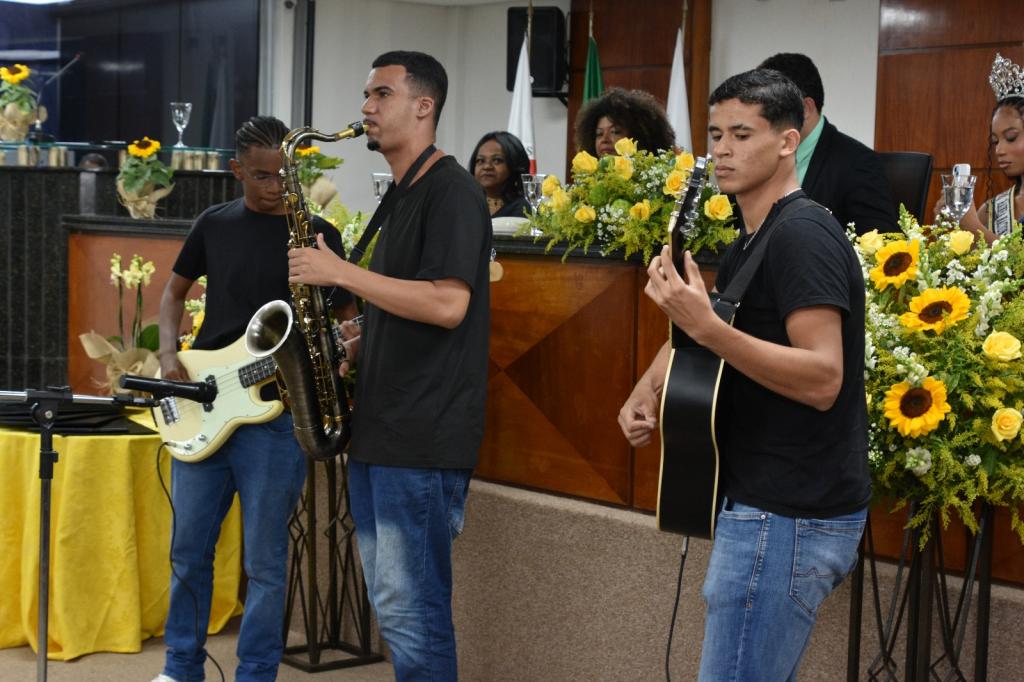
(170, 560)
(675, 608)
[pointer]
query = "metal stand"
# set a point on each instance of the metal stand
(45, 405)
(343, 601)
(916, 599)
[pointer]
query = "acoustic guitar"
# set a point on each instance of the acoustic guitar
(688, 479)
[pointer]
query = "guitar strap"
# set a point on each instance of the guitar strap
(387, 205)
(737, 287)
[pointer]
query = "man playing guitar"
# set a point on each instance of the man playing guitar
(792, 428)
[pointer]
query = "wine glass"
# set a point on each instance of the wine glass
(180, 113)
(958, 194)
(380, 184)
(533, 189)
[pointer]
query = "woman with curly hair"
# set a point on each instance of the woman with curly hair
(498, 163)
(622, 113)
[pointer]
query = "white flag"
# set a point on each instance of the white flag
(678, 109)
(520, 119)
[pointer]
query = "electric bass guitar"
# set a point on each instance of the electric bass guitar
(193, 431)
(688, 480)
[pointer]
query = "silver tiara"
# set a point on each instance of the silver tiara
(1006, 79)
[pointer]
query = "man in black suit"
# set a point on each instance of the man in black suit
(834, 169)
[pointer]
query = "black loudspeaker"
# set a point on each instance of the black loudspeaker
(548, 65)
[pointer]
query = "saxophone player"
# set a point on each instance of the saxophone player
(241, 247)
(419, 403)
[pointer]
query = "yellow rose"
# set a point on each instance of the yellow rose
(625, 146)
(623, 167)
(718, 207)
(960, 241)
(869, 242)
(674, 183)
(585, 214)
(1006, 423)
(550, 185)
(1001, 346)
(640, 210)
(684, 162)
(584, 163)
(560, 199)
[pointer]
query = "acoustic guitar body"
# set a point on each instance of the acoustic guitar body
(688, 480)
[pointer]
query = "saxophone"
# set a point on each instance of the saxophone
(299, 335)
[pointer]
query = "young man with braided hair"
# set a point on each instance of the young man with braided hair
(242, 248)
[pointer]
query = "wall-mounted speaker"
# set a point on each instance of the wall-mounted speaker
(548, 64)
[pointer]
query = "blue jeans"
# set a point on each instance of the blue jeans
(767, 577)
(265, 465)
(406, 520)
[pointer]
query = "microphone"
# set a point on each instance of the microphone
(961, 172)
(199, 391)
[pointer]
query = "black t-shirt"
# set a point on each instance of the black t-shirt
(778, 454)
(244, 255)
(422, 389)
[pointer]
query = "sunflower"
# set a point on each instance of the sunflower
(15, 74)
(916, 410)
(936, 309)
(144, 148)
(897, 263)
(308, 151)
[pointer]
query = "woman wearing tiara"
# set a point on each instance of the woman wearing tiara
(1002, 213)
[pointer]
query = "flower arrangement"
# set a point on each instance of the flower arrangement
(196, 309)
(143, 179)
(138, 275)
(310, 164)
(624, 202)
(944, 373)
(350, 226)
(19, 103)
(133, 353)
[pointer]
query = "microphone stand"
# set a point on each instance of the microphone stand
(45, 405)
(37, 135)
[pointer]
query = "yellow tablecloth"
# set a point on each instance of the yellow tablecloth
(109, 540)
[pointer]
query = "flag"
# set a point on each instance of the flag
(520, 119)
(593, 86)
(678, 106)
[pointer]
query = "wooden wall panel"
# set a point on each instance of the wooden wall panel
(92, 299)
(635, 48)
(943, 23)
(562, 358)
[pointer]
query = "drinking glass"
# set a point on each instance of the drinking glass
(532, 189)
(180, 113)
(958, 194)
(380, 184)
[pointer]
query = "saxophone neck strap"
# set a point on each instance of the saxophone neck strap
(387, 204)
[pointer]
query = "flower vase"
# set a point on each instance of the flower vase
(142, 204)
(15, 122)
(139, 361)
